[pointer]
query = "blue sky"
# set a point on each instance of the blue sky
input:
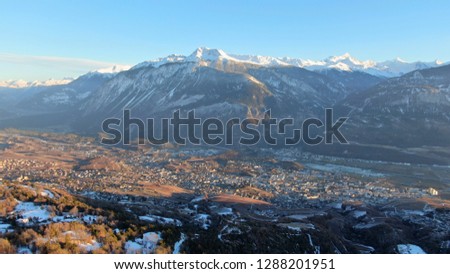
(53, 38)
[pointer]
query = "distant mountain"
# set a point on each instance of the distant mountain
(112, 70)
(60, 97)
(39, 107)
(215, 85)
(352, 81)
(398, 67)
(20, 84)
(346, 62)
(408, 112)
(387, 69)
(27, 84)
(53, 95)
(422, 92)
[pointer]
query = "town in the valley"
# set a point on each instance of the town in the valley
(89, 198)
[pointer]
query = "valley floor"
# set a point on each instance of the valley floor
(66, 194)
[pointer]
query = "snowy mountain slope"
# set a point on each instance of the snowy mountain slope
(174, 58)
(352, 81)
(418, 92)
(53, 95)
(61, 97)
(215, 85)
(411, 110)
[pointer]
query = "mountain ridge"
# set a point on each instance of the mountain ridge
(346, 62)
(389, 68)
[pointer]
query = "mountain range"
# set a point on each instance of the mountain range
(345, 62)
(397, 111)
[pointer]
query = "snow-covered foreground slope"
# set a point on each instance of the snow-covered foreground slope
(410, 249)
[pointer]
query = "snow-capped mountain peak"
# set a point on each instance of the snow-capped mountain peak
(114, 69)
(173, 58)
(14, 84)
(27, 84)
(345, 56)
(204, 56)
(346, 62)
(208, 54)
(262, 60)
(107, 72)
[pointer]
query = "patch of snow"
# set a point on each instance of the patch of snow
(198, 199)
(64, 219)
(132, 247)
(89, 247)
(160, 220)
(203, 220)
(366, 225)
(316, 247)
(295, 228)
(5, 228)
(365, 249)
(83, 95)
(410, 249)
(29, 213)
(24, 250)
(185, 100)
(445, 245)
(177, 246)
(226, 230)
(225, 211)
(359, 214)
(145, 245)
(299, 216)
(58, 98)
(414, 212)
(90, 219)
(47, 193)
